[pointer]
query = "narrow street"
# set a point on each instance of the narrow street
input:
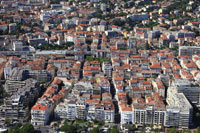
(117, 115)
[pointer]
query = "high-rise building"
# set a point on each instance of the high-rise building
(179, 109)
(190, 90)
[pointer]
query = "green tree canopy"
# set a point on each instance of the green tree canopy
(101, 60)
(7, 121)
(68, 128)
(95, 130)
(171, 130)
(114, 130)
(27, 128)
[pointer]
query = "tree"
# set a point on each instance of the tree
(171, 130)
(198, 130)
(195, 31)
(68, 128)
(1, 91)
(130, 22)
(27, 128)
(19, 124)
(131, 127)
(88, 41)
(81, 121)
(151, 125)
(55, 124)
(118, 22)
(95, 130)
(48, 33)
(187, 131)
(3, 32)
(64, 128)
(7, 121)
(147, 47)
(121, 14)
(55, 2)
(114, 130)
(162, 128)
(143, 127)
(101, 60)
(15, 129)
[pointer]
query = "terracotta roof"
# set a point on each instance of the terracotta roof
(40, 107)
(125, 107)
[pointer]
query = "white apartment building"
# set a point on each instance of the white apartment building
(81, 109)
(60, 111)
(91, 113)
(192, 93)
(40, 114)
(109, 115)
(148, 114)
(105, 85)
(159, 87)
(103, 111)
(71, 38)
(183, 109)
(138, 17)
(99, 112)
(71, 110)
(172, 116)
(126, 114)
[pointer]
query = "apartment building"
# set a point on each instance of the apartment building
(71, 109)
(126, 114)
(60, 111)
(45, 105)
(13, 109)
(16, 106)
(40, 114)
(150, 110)
(90, 69)
(100, 110)
(105, 85)
(172, 116)
(183, 109)
(107, 69)
(105, 111)
(63, 72)
(62, 63)
(40, 75)
(12, 86)
(18, 74)
(75, 71)
(148, 114)
(159, 87)
(189, 50)
(83, 87)
(109, 114)
(81, 109)
(90, 113)
(190, 90)
(138, 17)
